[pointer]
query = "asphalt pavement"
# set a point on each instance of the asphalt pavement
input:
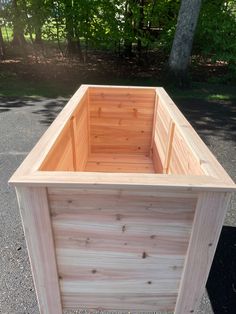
(22, 122)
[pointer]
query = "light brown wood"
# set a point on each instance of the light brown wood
(110, 180)
(208, 162)
(122, 241)
(169, 147)
(82, 136)
(121, 120)
(74, 140)
(182, 160)
(34, 211)
(209, 217)
(124, 302)
(123, 202)
(119, 163)
(154, 124)
(60, 157)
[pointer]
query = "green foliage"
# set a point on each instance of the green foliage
(102, 23)
(116, 25)
(216, 32)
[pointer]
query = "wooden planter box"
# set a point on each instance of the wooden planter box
(122, 204)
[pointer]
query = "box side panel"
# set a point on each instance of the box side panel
(120, 249)
(157, 163)
(171, 152)
(70, 151)
(208, 163)
(81, 135)
(160, 139)
(60, 157)
(182, 160)
(121, 120)
(163, 121)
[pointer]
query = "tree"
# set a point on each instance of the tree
(38, 12)
(182, 45)
(18, 25)
(2, 46)
(72, 29)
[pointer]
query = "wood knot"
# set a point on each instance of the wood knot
(149, 282)
(152, 236)
(94, 271)
(123, 228)
(118, 217)
(144, 255)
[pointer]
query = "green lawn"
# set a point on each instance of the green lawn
(12, 86)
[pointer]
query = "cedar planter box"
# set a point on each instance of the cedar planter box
(122, 204)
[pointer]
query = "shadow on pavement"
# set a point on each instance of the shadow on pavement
(8, 103)
(217, 118)
(209, 118)
(221, 284)
(50, 110)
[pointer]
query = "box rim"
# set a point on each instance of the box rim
(215, 176)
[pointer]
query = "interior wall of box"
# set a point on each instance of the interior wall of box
(122, 130)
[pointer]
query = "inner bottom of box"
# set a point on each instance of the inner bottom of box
(98, 162)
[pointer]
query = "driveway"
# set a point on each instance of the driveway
(22, 122)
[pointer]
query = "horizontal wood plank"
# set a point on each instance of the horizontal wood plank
(121, 121)
(122, 241)
(119, 167)
(126, 302)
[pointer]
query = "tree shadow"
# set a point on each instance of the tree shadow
(221, 284)
(4, 110)
(211, 118)
(8, 103)
(50, 110)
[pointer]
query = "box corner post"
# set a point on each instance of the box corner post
(209, 216)
(35, 215)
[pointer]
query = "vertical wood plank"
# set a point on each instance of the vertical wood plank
(33, 204)
(88, 121)
(74, 139)
(154, 123)
(209, 217)
(169, 147)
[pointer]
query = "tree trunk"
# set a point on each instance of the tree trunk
(127, 29)
(140, 26)
(38, 35)
(38, 17)
(2, 46)
(72, 34)
(18, 28)
(182, 45)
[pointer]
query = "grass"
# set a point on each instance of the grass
(14, 85)
(206, 91)
(202, 91)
